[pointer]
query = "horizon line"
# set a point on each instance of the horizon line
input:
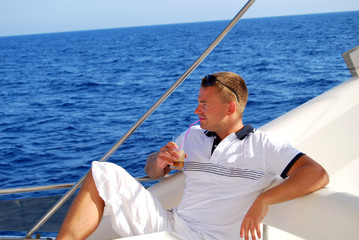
(163, 24)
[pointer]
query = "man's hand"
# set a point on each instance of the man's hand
(167, 155)
(252, 220)
(158, 163)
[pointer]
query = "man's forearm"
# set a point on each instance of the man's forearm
(307, 177)
(152, 169)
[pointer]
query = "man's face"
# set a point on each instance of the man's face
(211, 110)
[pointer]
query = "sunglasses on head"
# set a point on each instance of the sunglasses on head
(210, 80)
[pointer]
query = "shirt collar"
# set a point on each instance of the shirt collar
(244, 132)
(241, 134)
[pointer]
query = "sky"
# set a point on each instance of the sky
(21, 17)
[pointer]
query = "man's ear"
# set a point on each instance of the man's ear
(231, 108)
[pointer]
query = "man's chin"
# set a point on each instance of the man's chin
(205, 126)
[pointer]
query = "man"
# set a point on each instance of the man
(228, 166)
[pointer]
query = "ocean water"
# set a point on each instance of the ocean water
(67, 98)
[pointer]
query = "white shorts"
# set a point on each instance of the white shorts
(132, 209)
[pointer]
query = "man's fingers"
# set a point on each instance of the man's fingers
(245, 229)
(258, 230)
(165, 157)
(171, 145)
(253, 234)
(250, 231)
(167, 154)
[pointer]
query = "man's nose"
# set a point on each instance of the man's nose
(197, 110)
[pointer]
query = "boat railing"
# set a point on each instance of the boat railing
(35, 189)
(60, 186)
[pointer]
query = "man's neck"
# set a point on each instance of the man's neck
(229, 130)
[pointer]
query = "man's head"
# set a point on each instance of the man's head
(231, 87)
(221, 102)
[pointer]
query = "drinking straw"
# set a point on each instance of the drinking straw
(187, 133)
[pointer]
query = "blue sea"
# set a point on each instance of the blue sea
(67, 98)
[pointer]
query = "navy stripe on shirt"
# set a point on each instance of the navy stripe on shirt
(223, 170)
(288, 167)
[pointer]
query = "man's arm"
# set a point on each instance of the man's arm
(158, 163)
(305, 176)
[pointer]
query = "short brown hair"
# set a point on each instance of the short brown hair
(228, 82)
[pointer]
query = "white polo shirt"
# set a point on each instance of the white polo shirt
(221, 187)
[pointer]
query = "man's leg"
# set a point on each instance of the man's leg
(85, 213)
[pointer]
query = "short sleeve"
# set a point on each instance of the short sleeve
(278, 154)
